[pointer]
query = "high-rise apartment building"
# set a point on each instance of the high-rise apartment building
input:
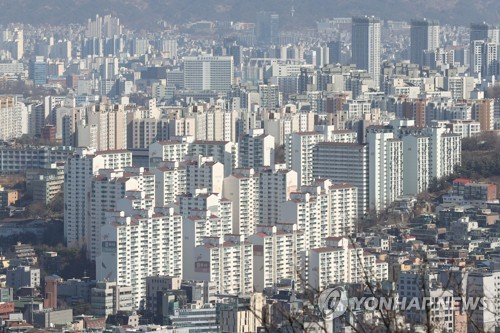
(17, 49)
(417, 287)
(204, 215)
(142, 132)
(170, 181)
(270, 96)
(275, 187)
(256, 149)
(105, 190)
(366, 45)
(483, 111)
(483, 284)
(344, 163)
(484, 58)
(267, 27)
(38, 70)
(77, 173)
(14, 116)
(107, 27)
(424, 36)
(225, 152)
(484, 32)
(173, 151)
(322, 210)
(138, 243)
(276, 254)
(204, 173)
(445, 151)
(281, 124)
(111, 123)
(416, 168)
(200, 200)
(299, 154)
(385, 169)
(242, 188)
(484, 41)
(334, 52)
(225, 262)
(208, 73)
(341, 261)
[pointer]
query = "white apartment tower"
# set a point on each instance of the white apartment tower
(111, 122)
(204, 215)
(208, 73)
(270, 96)
(204, 172)
(105, 191)
(78, 171)
(225, 152)
(322, 210)
(226, 262)
(14, 115)
(275, 187)
(341, 261)
(256, 149)
(276, 252)
(201, 199)
(299, 154)
(182, 126)
(385, 169)
(445, 151)
(483, 59)
(138, 243)
(416, 167)
(167, 151)
(242, 188)
(170, 181)
(485, 285)
(213, 124)
(143, 132)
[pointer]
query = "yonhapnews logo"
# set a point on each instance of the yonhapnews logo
(334, 302)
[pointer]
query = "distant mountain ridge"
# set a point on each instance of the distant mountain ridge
(137, 13)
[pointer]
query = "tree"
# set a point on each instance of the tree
(82, 308)
(493, 92)
(37, 210)
(56, 205)
(279, 154)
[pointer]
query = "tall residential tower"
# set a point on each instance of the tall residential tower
(424, 36)
(366, 45)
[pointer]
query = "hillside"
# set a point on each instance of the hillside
(146, 13)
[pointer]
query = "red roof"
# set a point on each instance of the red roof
(462, 180)
(323, 249)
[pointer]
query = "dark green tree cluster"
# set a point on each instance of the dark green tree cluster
(480, 157)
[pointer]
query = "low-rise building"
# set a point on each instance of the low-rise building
(8, 197)
(23, 276)
(108, 298)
